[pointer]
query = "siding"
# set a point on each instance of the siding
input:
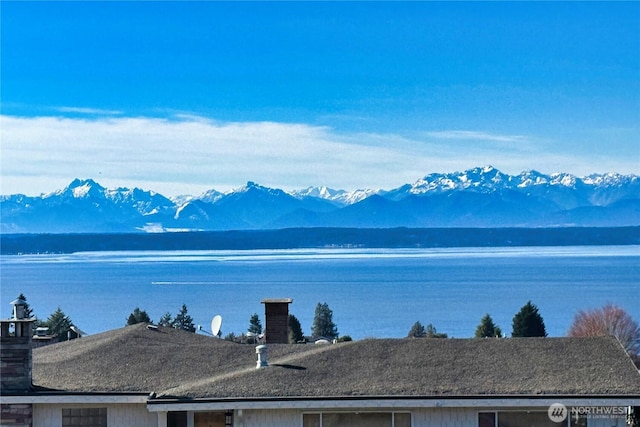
(118, 415)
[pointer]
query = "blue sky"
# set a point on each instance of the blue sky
(184, 97)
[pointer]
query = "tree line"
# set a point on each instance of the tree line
(58, 323)
(401, 237)
(322, 327)
(182, 320)
(527, 322)
(609, 320)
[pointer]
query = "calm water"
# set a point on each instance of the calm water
(378, 293)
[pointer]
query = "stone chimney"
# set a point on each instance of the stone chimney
(15, 364)
(15, 350)
(276, 313)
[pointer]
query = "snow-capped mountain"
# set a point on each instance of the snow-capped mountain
(84, 205)
(339, 197)
(478, 197)
(484, 180)
(489, 179)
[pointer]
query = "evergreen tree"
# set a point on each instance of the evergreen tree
(295, 330)
(528, 322)
(417, 331)
(488, 329)
(255, 326)
(59, 324)
(323, 325)
(183, 320)
(166, 320)
(138, 316)
(430, 332)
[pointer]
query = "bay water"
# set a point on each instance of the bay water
(372, 292)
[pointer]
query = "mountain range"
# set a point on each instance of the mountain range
(481, 197)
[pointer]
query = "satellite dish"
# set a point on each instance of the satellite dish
(216, 322)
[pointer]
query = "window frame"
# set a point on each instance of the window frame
(570, 422)
(392, 413)
(101, 412)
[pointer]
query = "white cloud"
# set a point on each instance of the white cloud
(475, 135)
(89, 111)
(191, 154)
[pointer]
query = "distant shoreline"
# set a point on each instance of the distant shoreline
(334, 237)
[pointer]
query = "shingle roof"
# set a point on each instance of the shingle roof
(179, 364)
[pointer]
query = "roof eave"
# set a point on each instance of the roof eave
(377, 402)
(61, 397)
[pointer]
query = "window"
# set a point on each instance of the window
(213, 419)
(200, 419)
(402, 419)
(487, 419)
(357, 419)
(525, 419)
(84, 417)
(177, 419)
(311, 420)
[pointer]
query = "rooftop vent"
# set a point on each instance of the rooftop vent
(261, 351)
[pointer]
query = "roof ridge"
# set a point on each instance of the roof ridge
(228, 375)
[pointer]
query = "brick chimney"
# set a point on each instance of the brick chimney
(15, 365)
(276, 313)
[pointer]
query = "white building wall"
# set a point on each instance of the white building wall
(118, 415)
(47, 415)
(132, 415)
(137, 415)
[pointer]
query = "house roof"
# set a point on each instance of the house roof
(183, 365)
